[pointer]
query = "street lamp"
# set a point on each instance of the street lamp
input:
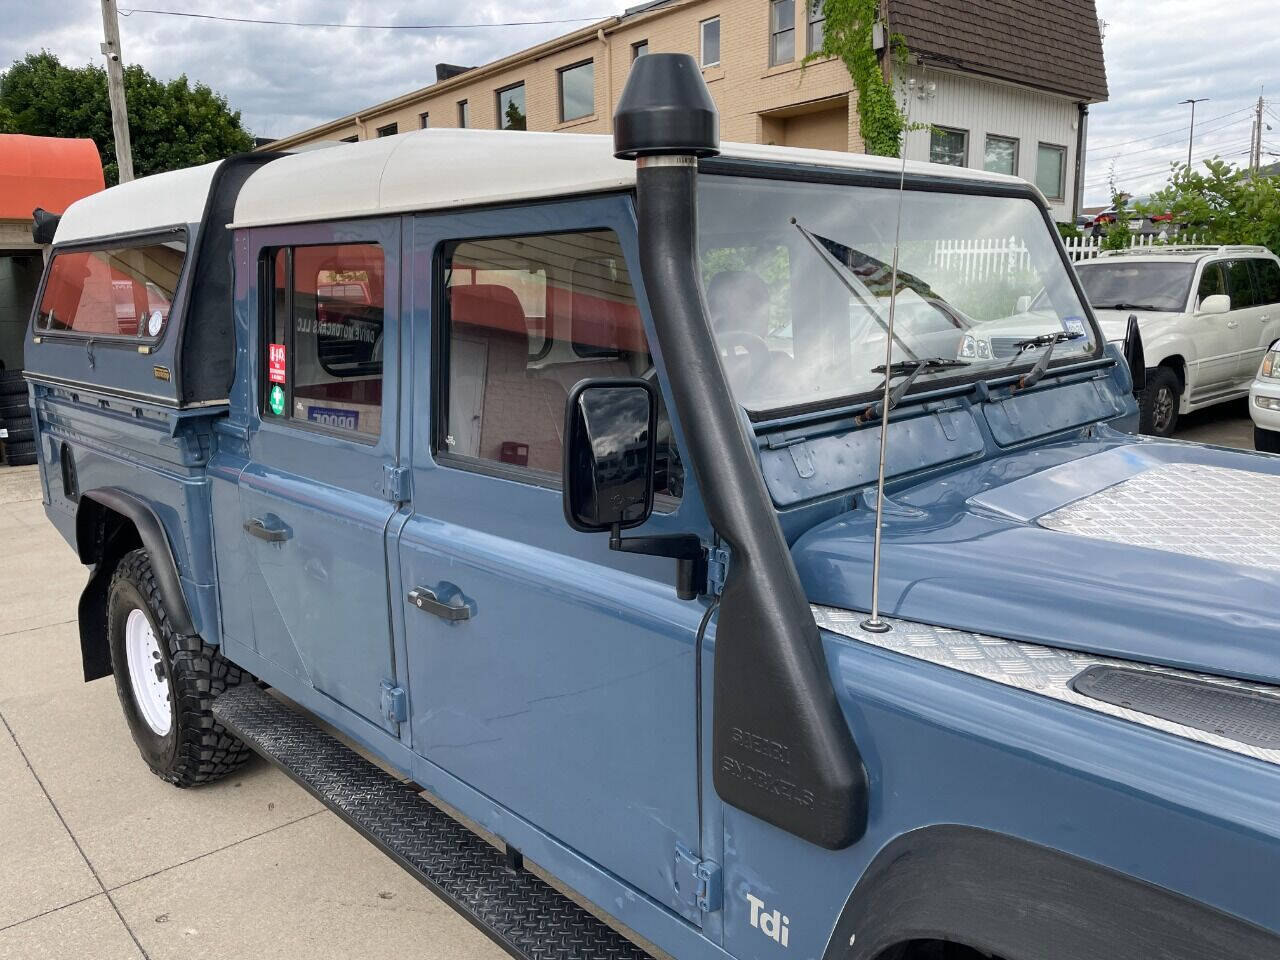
(1192, 135)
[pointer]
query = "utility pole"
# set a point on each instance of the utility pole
(1192, 135)
(1255, 141)
(115, 89)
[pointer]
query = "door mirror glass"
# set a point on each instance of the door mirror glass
(1218, 303)
(609, 452)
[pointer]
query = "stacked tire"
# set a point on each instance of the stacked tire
(15, 416)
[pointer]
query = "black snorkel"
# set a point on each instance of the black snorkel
(781, 748)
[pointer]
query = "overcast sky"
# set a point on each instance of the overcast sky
(284, 79)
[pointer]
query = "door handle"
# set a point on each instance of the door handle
(429, 601)
(1232, 324)
(275, 532)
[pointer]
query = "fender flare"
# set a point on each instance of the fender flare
(154, 539)
(1022, 901)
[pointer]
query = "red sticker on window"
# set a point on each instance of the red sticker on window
(275, 362)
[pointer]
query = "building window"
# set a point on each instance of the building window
(424, 121)
(1051, 168)
(817, 23)
(351, 139)
(511, 114)
(639, 49)
(324, 338)
(390, 130)
(1000, 155)
(577, 91)
(710, 42)
(782, 31)
(948, 146)
(464, 113)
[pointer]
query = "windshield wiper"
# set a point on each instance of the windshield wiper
(911, 369)
(1125, 306)
(1047, 340)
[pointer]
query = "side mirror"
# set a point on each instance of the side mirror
(1216, 303)
(1024, 304)
(1135, 356)
(610, 445)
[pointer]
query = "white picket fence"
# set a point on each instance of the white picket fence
(992, 257)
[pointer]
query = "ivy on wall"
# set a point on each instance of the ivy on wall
(847, 34)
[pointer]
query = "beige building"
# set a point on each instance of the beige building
(1004, 88)
(750, 50)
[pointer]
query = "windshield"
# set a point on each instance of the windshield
(797, 277)
(1137, 286)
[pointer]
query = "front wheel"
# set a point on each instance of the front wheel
(1267, 441)
(167, 682)
(1158, 403)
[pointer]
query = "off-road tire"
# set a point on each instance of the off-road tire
(1266, 441)
(1156, 418)
(197, 749)
(11, 385)
(14, 407)
(20, 454)
(20, 430)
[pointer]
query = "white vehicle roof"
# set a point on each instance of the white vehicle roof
(162, 200)
(1179, 253)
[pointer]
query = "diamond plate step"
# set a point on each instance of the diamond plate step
(521, 912)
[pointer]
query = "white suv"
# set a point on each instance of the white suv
(1207, 316)
(1264, 402)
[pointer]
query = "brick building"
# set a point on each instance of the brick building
(1005, 87)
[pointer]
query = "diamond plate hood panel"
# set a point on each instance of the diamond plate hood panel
(1155, 551)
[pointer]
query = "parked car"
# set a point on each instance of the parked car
(1264, 402)
(658, 680)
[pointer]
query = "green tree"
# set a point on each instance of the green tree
(171, 125)
(515, 117)
(1222, 204)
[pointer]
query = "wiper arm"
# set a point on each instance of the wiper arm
(1048, 341)
(1124, 306)
(912, 369)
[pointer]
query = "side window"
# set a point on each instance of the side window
(117, 291)
(524, 319)
(322, 360)
(1267, 273)
(1240, 285)
(1212, 282)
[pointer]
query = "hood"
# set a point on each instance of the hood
(1115, 323)
(1154, 551)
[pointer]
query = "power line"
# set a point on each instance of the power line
(1172, 143)
(129, 11)
(1153, 136)
(1207, 149)
(1163, 168)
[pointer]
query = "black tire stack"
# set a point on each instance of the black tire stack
(15, 416)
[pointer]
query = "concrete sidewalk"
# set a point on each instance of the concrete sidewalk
(100, 859)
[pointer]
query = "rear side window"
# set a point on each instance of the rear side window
(1267, 273)
(1240, 285)
(322, 361)
(124, 291)
(526, 318)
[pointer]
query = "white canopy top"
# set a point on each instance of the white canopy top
(161, 200)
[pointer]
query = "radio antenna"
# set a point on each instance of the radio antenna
(874, 623)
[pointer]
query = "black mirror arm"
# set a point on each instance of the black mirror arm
(685, 548)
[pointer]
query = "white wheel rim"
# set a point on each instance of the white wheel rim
(146, 674)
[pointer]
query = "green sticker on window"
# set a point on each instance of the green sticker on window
(276, 400)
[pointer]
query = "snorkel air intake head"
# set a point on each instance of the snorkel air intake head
(665, 110)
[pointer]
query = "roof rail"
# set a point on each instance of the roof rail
(1202, 248)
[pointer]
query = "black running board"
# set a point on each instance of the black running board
(522, 913)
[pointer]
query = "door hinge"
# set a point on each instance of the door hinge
(697, 881)
(395, 483)
(395, 705)
(717, 569)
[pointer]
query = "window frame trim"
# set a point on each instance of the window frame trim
(1017, 151)
(1061, 195)
(774, 34)
(635, 49)
(497, 102)
(464, 113)
(391, 129)
(702, 43)
(967, 134)
(560, 72)
(809, 21)
(424, 120)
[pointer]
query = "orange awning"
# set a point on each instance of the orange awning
(48, 172)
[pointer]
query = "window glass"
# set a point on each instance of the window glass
(1267, 273)
(1000, 155)
(948, 146)
(464, 113)
(424, 121)
(527, 318)
(511, 108)
(817, 23)
(323, 357)
(1240, 285)
(639, 49)
(121, 291)
(578, 91)
(1212, 282)
(390, 130)
(1112, 284)
(782, 30)
(1051, 163)
(711, 42)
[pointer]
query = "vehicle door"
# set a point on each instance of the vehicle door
(318, 492)
(1216, 338)
(555, 676)
(1265, 328)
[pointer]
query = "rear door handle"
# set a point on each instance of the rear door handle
(1232, 324)
(428, 600)
(271, 530)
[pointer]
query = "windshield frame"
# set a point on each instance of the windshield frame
(790, 171)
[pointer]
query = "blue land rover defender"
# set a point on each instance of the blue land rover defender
(543, 468)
